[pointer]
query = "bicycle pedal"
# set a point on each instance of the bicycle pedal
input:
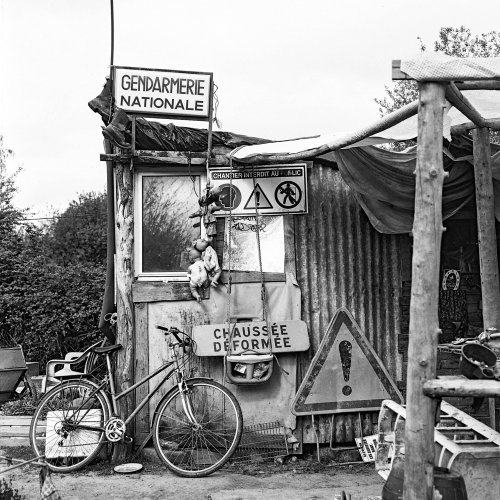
(128, 439)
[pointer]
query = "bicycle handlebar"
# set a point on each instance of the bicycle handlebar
(175, 331)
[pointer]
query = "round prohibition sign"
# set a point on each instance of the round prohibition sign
(288, 194)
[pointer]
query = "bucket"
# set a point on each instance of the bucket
(450, 485)
(472, 355)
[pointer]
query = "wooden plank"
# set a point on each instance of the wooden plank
(251, 277)
(397, 74)
(424, 325)
(478, 85)
(488, 259)
(458, 386)
(455, 97)
(142, 422)
(158, 291)
(144, 157)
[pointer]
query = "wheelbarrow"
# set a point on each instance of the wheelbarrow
(13, 372)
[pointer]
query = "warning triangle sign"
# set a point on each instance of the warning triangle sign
(346, 375)
(258, 198)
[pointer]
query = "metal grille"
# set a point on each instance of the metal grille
(261, 442)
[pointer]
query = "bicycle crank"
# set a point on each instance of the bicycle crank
(115, 429)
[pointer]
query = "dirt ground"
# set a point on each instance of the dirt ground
(302, 479)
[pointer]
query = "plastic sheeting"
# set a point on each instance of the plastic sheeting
(384, 183)
(438, 66)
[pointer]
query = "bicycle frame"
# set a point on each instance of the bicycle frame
(117, 396)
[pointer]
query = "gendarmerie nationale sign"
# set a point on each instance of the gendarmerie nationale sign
(173, 94)
(255, 336)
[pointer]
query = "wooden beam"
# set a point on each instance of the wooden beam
(342, 141)
(124, 226)
(465, 127)
(455, 97)
(479, 85)
(461, 387)
(488, 260)
(145, 157)
(424, 325)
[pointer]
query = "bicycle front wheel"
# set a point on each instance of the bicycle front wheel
(196, 432)
(68, 425)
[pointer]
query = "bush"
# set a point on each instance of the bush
(47, 308)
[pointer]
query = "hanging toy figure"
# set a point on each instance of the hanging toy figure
(197, 272)
(209, 203)
(204, 268)
(210, 260)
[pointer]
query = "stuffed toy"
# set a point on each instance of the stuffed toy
(197, 273)
(210, 260)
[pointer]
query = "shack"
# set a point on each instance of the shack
(347, 247)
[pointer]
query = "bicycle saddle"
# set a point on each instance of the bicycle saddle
(108, 349)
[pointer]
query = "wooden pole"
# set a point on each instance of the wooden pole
(488, 260)
(424, 326)
(124, 370)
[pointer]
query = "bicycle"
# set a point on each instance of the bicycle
(196, 426)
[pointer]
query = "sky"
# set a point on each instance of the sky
(284, 69)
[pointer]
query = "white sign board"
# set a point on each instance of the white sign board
(255, 337)
(277, 190)
(174, 94)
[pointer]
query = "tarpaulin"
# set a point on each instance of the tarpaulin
(437, 66)
(384, 182)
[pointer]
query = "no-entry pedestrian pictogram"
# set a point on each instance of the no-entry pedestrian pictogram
(288, 194)
(272, 189)
(345, 375)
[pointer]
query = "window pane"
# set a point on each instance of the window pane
(167, 202)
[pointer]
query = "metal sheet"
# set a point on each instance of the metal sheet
(342, 261)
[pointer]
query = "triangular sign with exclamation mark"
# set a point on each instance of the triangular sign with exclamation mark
(346, 375)
(258, 199)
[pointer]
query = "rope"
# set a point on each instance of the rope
(263, 296)
(229, 277)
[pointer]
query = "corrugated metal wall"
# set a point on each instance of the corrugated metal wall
(342, 261)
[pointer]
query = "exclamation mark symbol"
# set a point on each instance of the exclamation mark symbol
(257, 197)
(345, 349)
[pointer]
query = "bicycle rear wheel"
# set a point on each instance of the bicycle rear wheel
(197, 450)
(62, 428)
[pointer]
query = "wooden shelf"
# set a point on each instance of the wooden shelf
(461, 387)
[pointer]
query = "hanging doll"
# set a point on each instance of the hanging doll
(209, 203)
(197, 273)
(210, 260)
(204, 268)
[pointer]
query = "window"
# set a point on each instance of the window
(164, 230)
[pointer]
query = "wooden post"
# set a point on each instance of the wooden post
(488, 260)
(124, 370)
(424, 326)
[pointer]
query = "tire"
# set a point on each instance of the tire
(52, 431)
(197, 452)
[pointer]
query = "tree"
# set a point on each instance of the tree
(8, 214)
(457, 42)
(79, 233)
(46, 307)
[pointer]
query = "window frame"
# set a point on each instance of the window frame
(177, 171)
